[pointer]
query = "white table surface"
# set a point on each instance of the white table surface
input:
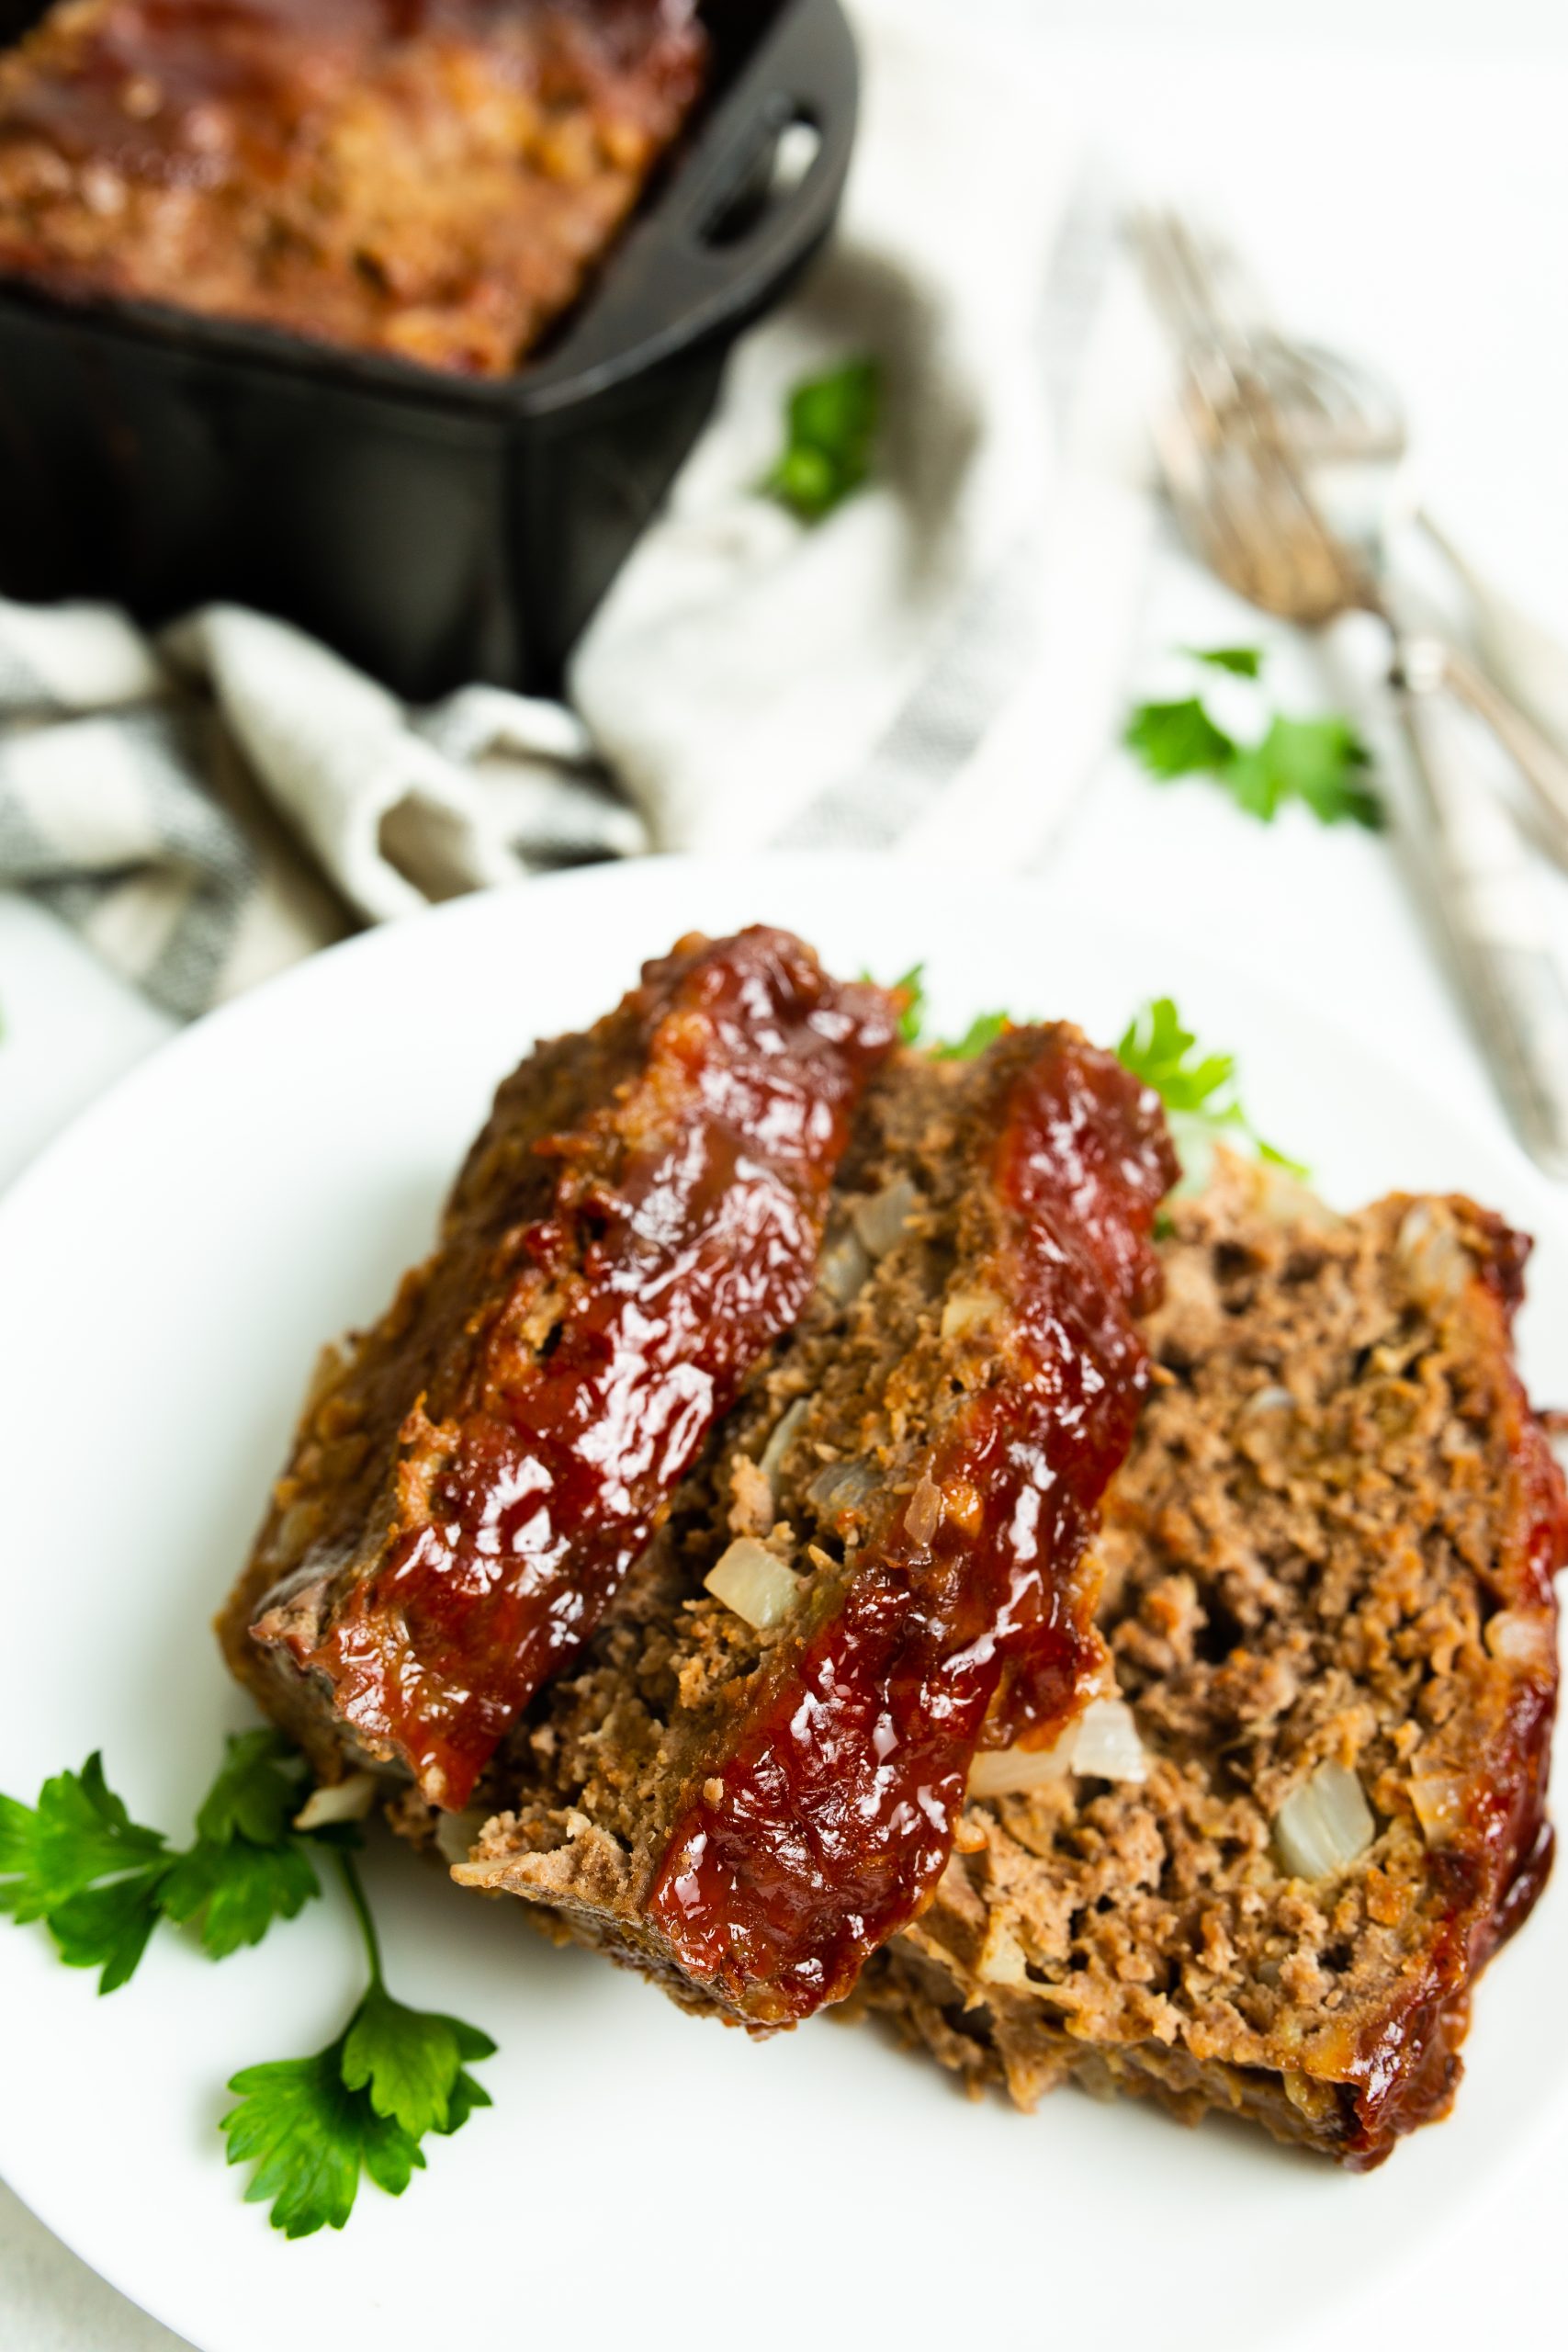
(1399, 170)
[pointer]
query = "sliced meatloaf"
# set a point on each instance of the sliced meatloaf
(472, 1477)
(1328, 1570)
(752, 1779)
(432, 178)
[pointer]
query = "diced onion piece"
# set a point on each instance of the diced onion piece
(1103, 1745)
(1106, 1743)
(1313, 2099)
(782, 1438)
(1435, 1260)
(842, 1485)
(1001, 1960)
(456, 1833)
(1283, 1199)
(1323, 1825)
(348, 1800)
(880, 1221)
(1519, 1637)
(923, 1516)
(1438, 1800)
(755, 1583)
(843, 1268)
(1273, 1399)
(968, 1310)
(1013, 1771)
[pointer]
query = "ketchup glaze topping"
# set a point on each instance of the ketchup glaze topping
(830, 1817)
(682, 1239)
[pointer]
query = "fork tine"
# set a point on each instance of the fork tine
(1231, 466)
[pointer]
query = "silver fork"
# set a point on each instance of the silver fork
(1233, 453)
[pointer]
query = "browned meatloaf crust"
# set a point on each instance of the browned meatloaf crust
(1330, 1554)
(434, 178)
(744, 1800)
(472, 1477)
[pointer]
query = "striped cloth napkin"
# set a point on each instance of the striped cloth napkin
(935, 667)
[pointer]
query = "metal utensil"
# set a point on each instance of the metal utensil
(1239, 479)
(1348, 435)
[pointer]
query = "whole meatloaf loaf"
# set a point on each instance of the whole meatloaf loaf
(434, 178)
(1327, 1568)
(473, 1476)
(752, 1780)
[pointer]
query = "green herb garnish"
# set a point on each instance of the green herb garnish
(1177, 739)
(831, 424)
(1322, 763)
(912, 1013)
(311, 2126)
(1241, 660)
(982, 1031)
(101, 1881)
(1198, 1090)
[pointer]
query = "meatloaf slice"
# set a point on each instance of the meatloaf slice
(472, 1477)
(1328, 1571)
(753, 1779)
(432, 178)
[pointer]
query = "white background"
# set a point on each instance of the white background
(1399, 168)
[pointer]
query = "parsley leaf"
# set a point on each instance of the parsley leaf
(912, 1018)
(79, 1832)
(257, 1792)
(78, 1861)
(1158, 1050)
(248, 1866)
(1241, 660)
(982, 1031)
(1198, 1090)
(237, 1889)
(311, 2125)
(1175, 738)
(1321, 761)
(108, 1927)
(101, 1881)
(831, 423)
(309, 2136)
(409, 2060)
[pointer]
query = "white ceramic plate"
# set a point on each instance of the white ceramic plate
(166, 1274)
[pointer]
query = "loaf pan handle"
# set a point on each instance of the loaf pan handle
(674, 280)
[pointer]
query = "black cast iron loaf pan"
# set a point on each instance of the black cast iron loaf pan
(434, 528)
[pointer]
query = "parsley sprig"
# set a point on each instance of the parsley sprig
(830, 434)
(1323, 762)
(982, 1031)
(1241, 660)
(100, 1882)
(1198, 1090)
(311, 2126)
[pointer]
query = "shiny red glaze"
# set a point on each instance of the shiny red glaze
(838, 1795)
(680, 1256)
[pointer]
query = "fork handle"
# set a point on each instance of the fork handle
(1539, 763)
(1491, 908)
